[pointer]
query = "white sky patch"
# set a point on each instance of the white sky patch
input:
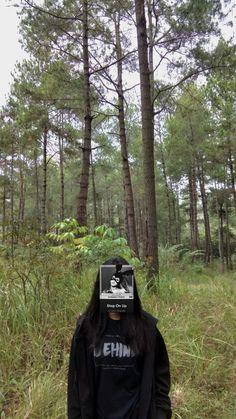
(10, 48)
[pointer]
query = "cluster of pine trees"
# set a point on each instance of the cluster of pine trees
(79, 138)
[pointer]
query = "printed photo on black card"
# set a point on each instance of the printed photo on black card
(116, 288)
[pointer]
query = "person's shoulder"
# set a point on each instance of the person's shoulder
(149, 318)
(152, 322)
(79, 324)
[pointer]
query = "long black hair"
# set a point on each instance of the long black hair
(134, 326)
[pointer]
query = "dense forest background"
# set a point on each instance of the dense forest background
(118, 136)
(73, 143)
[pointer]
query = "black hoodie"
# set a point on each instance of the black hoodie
(154, 400)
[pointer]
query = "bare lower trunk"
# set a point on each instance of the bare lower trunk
(84, 176)
(148, 139)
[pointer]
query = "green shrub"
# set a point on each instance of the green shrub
(76, 244)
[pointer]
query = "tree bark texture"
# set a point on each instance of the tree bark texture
(147, 139)
(128, 191)
(84, 176)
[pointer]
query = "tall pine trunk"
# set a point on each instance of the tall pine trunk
(129, 200)
(147, 113)
(86, 150)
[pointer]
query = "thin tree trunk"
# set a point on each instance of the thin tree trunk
(178, 220)
(94, 193)
(61, 154)
(44, 197)
(140, 225)
(108, 212)
(99, 212)
(120, 220)
(84, 176)
(12, 200)
(129, 200)
(194, 200)
(150, 46)
(148, 139)
(208, 243)
(37, 205)
(4, 197)
(221, 234)
(174, 216)
(193, 207)
(169, 221)
(229, 263)
(232, 176)
(21, 207)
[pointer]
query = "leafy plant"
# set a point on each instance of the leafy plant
(74, 242)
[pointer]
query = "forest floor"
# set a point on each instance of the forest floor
(40, 301)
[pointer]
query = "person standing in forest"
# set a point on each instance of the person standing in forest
(119, 366)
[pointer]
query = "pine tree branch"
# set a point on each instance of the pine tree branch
(187, 77)
(41, 10)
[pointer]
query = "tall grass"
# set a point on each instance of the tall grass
(40, 299)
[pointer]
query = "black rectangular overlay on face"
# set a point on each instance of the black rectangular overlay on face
(116, 288)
